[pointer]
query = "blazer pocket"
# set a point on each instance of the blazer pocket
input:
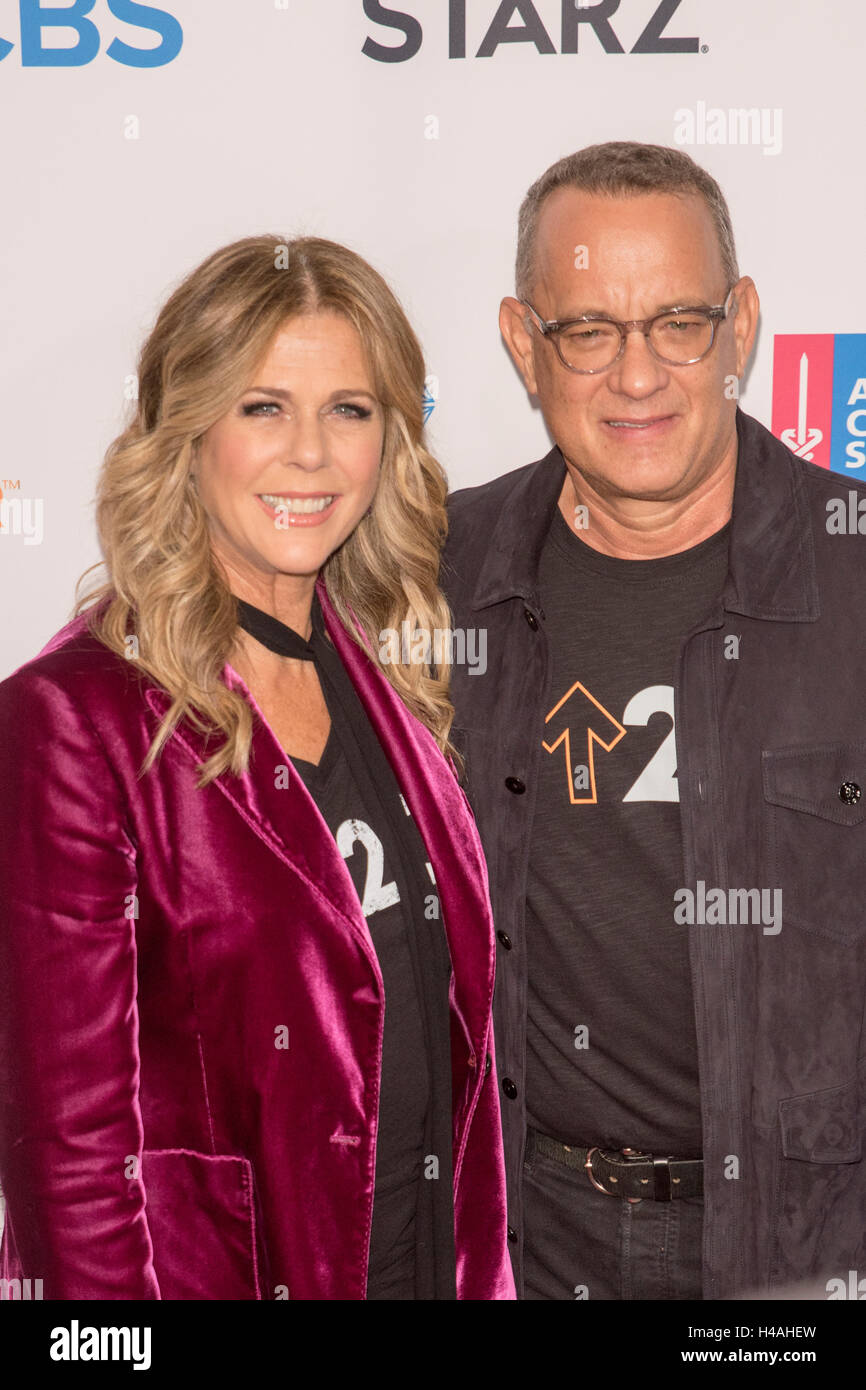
(821, 1175)
(201, 1213)
(815, 836)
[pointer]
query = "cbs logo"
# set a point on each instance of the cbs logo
(37, 21)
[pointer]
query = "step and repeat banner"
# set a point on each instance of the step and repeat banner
(136, 139)
(139, 138)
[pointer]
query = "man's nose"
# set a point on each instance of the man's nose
(638, 371)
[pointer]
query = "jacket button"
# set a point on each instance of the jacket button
(849, 792)
(504, 940)
(531, 619)
(515, 785)
(509, 1088)
(512, 1235)
(487, 1065)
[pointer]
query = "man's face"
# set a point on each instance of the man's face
(640, 429)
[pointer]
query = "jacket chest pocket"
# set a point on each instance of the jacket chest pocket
(815, 838)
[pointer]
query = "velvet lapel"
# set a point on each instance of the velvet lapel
(285, 817)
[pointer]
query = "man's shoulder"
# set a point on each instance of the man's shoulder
(826, 484)
(471, 504)
(822, 483)
(500, 516)
(834, 502)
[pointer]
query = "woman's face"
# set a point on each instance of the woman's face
(288, 473)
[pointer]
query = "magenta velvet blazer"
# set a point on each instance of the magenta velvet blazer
(191, 1008)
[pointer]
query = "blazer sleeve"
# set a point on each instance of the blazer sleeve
(70, 1122)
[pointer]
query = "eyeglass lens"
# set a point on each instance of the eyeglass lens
(676, 338)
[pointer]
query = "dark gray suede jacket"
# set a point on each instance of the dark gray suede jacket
(771, 763)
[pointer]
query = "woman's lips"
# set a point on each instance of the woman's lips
(283, 518)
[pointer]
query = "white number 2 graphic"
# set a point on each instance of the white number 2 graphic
(658, 781)
(376, 893)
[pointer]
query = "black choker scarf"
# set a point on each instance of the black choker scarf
(435, 1276)
(273, 634)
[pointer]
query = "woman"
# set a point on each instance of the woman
(238, 872)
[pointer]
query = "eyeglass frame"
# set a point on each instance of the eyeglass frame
(551, 328)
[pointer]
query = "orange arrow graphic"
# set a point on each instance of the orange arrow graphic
(592, 737)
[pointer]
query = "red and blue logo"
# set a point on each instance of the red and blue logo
(819, 398)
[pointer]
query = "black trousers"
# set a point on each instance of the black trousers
(581, 1244)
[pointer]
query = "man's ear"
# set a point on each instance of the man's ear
(745, 320)
(519, 339)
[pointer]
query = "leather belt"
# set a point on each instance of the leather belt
(627, 1173)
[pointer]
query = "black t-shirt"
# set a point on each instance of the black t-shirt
(363, 838)
(611, 1043)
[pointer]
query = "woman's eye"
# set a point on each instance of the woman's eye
(347, 409)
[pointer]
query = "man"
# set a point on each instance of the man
(667, 757)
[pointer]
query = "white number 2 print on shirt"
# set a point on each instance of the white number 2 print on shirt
(658, 781)
(377, 894)
(580, 724)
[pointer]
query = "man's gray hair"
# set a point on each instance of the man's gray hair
(623, 167)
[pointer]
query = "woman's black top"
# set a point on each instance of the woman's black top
(356, 791)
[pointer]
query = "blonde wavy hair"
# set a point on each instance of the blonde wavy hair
(163, 583)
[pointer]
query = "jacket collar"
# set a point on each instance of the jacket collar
(287, 819)
(771, 562)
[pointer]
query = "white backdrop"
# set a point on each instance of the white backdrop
(118, 179)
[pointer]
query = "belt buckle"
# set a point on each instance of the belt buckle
(630, 1155)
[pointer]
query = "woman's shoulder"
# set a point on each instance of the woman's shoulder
(73, 664)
